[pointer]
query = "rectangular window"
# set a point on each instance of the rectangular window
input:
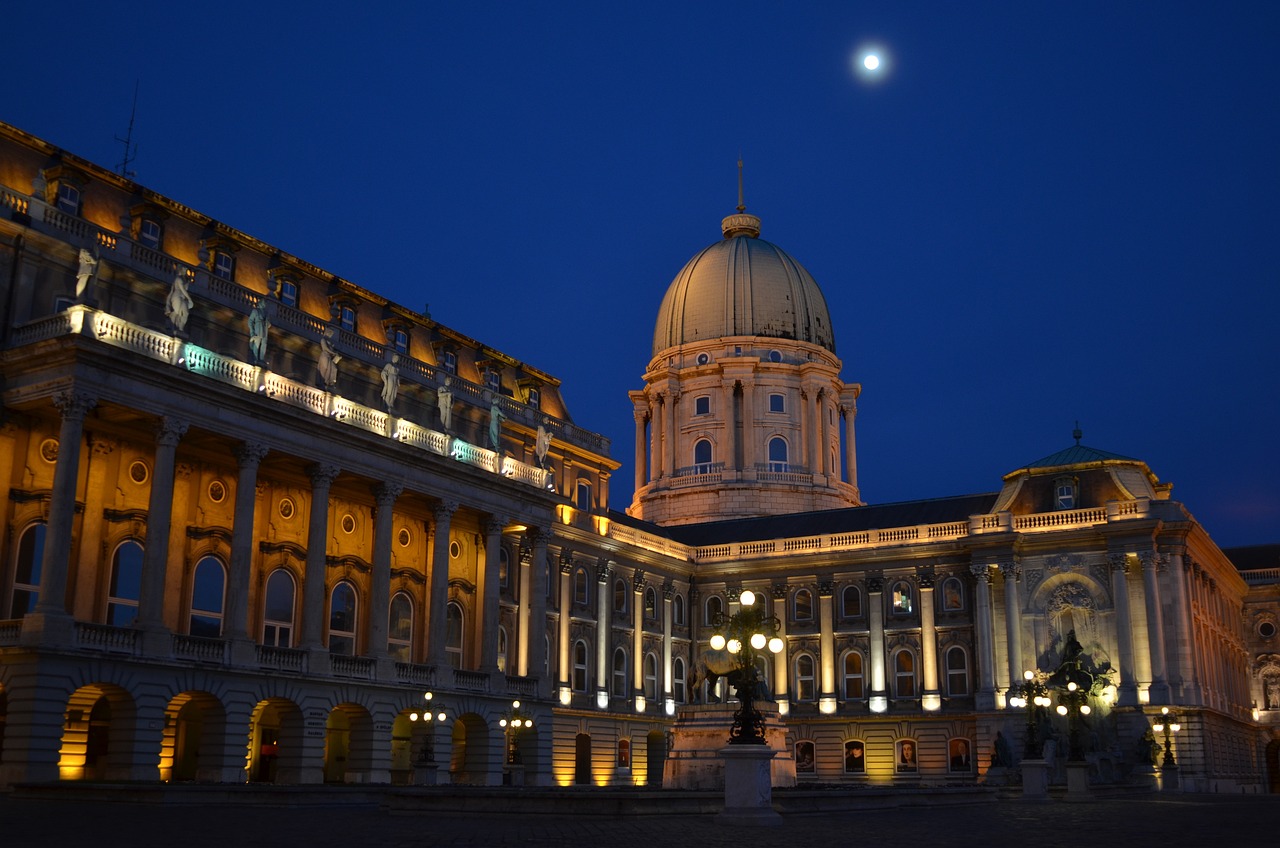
(224, 265)
(288, 292)
(535, 398)
(149, 233)
(347, 318)
(69, 198)
(492, 380)
(450, 362)
(400, 341)
(702, 405)
(777, 403)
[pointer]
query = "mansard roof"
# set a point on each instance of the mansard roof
(1077, 454)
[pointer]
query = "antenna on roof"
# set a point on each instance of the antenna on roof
(742, 206)
(130, 147)
(1077, 433)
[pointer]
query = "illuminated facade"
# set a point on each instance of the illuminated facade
(254, 511)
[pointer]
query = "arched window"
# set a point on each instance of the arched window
(804, 668)
(582, 498)
(715, 609)
(277, 614)
(26, 576)
(677, 608)
(702, 456)
(900, 596)
(580, 595)
(620, 595)
(678, 680)
(803, 605)
(619, 673)
(1065, 493)
(650, 677)
(342, 620)
(957, 671)
(400, 628)
(853, 676)
(778, 454)
(580, 666)
(650, 603)
(851, 602)
(207, 597)
(904, 673)
(952, 594)
(126, 584)
(453, 633)
(502, 649)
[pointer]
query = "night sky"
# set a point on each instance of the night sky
(1042, 212)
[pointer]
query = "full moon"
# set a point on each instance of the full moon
(871, 62)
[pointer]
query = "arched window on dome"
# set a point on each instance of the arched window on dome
(702, 456)
(778, 454)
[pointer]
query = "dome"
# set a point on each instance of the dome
(743, 286)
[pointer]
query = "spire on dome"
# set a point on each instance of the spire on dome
(740, 224)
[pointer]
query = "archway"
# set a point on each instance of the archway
(348, 745)
(275, 742)
(97, 734)
(468, 761)
(194, 724)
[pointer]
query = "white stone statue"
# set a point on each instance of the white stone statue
(259, 326)
(390, 382)
(329, 359)
(177, 308)
(542, 443)
(87, 266)
(444, 403)
(496, 417)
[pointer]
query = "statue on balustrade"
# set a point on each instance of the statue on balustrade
(542, 443)
(88, 264)
(259, 326)
(496, 417)
(390, 382)
(329, 359)
(444, 403)
(177, 307)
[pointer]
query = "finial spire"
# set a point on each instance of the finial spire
(1077, 433)
(742, 206)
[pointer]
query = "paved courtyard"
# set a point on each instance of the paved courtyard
(1234, 821)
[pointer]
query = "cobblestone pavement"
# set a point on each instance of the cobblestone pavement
(1180, 820)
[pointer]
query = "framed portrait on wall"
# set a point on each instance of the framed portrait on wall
(905, 761)
(804, 756)
(959, 757)
(855, 761)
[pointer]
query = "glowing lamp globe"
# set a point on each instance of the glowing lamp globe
(747, 597)
(734, 646)
(440, 716)
(717, 642)
(502, 722)
(1062, 710)
(1071, 686)
(1026, 675)
(758, 641)
(775, 645)
(1085, 709)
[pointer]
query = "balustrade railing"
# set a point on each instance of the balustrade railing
(474, 680)
(282, 659)
(364, 668)
(199, 648)
(104, 637)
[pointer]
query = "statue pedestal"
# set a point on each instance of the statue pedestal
(1169, 778)
(701, 733)
(748, 791)
(1077, 781)
(426, 774)
(1035, 780)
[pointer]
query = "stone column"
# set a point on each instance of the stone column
(322, 477)
(236, 621)
(668, 687)
(655, 437)
(637, 638)
(437, 622)
(1158, 693)
(488, 618)
(850, 410)
(603, 629)
(931, 696)
(986, 699)
(749, 427)
(49, 622)
(384, 495)
(1127, 691)
(879, 700)
(1011, 571)
(730, 450)
(781, 662)
(562, 629)
(670, 436)
(523, 617)
(537, 633)
(820, 434)
(806, 428)
(640, 416)
(155, 557)
(827, 648)
(1187, 679)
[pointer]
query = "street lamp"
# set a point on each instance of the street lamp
(1032, 693)
(427, 754)
(747, 632)
(1076, 683)
(1167, 723)
(513, 721)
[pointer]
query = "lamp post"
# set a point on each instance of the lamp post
(746, 633)
(425, 766)
(513, 722)
(1032, 693)
(1167, 723)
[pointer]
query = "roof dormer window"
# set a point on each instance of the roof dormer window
(1066, 493)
